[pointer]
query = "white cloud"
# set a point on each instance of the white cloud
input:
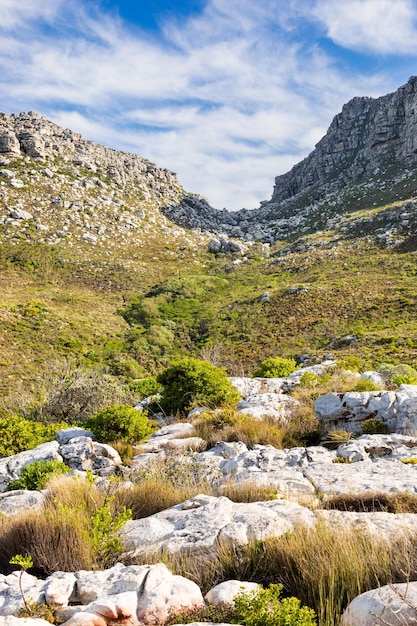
(382, 26)
(228, 99)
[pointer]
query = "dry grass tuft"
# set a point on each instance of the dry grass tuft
(404, 502)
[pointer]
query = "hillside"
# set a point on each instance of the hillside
(108, 262)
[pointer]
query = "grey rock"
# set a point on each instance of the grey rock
(15, 502)
(20, 214)
(65, 436)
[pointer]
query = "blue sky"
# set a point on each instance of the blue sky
(227, 93)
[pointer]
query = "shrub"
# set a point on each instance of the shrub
(365, 384)
(189, 381)
(76, 395)
(120, 422)
(398, 374)
(265, 607)
(144, 387)
(275, 367)
(18, 434)
(35, 475)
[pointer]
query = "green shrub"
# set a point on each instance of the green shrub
(404, 379)
(18, 434)
(398, 374)
(189, 381)
(275, 367)
(372, 426)
(120, 422)
(365, 384)
(265, 607)
(144, 387)
(35, 475)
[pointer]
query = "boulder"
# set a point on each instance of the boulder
(394, 605)
(198, 524)
(225, 593)
(65, 436)
(273, 405)
(44, 452)
(10, 595)
(15, 502)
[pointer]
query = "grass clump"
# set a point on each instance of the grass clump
(36, 475)
(227, 425)
(120, 423)
(365, 384)
(401, 502)
(373, 426)
(189, 381)
(76, 529)
(275, 367)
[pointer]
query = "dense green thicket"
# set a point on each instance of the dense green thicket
(275, 367)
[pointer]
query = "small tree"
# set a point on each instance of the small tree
(190, 380)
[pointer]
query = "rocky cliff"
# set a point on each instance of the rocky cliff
(368, 158)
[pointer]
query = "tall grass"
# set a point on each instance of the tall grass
(325, 567)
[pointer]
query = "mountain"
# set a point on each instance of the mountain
(107, 262)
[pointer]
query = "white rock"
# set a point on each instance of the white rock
(44, 452)
(392, 604)
(164, 595)
(225, 593)
(59, 588)
(10, 596)
(375, 377)
(198, 523)
(65, 436)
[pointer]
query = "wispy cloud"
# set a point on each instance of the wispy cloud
(228, 98)
(382, 26)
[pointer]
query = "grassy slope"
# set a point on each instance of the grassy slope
(72, 310)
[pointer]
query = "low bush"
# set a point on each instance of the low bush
(18, 434)
(189, 381)
(120, 423)
(144, 387)
(275, 367)
(264, 607)
(36, 475)
(365, 384)
(398, 374)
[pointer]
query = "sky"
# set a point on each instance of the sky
(226, 93)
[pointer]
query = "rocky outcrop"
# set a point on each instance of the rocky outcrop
(74, 447)
(133, 595)
(396, 410)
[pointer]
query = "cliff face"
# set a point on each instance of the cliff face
(365, 138)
